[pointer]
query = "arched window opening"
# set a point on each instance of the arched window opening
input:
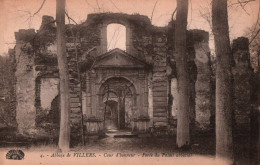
(116, 37)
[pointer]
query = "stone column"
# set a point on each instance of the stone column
(25, 82)
(160, 82)
(242, 74)
(93, 125)
(203, 86)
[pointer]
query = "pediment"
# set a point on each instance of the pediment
(117, 58)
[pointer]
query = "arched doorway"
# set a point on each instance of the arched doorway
(118, 97)
(111, 115)
(55, 111)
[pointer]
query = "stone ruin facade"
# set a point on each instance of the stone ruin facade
(134, 89)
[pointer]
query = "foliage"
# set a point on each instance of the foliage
(7, 112)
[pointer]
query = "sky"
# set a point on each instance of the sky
(18, 14)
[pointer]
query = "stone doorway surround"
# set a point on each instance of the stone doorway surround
(127, 78)
(122, 92)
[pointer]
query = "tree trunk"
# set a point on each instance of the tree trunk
(224, 142)
(64, 137)
(183, 128)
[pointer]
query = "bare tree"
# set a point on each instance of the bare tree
(224, 141)
(183, 132)
(64, 137)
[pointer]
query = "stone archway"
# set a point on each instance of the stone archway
(118, 96)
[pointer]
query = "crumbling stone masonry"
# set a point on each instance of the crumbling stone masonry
(242, 77)
(134, 89)
(204, 90)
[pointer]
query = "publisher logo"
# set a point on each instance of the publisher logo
(15, 155)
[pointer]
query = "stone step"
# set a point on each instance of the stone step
(126, 136)
(120, 133)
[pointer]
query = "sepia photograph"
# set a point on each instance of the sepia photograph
(123, 82)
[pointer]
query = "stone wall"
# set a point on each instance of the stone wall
(156, 87)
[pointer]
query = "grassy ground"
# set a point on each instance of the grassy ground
(202, 143)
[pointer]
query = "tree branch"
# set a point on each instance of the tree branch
(154, 9)
(43, 2)
(243, 6)
(173, 15)
(115, 6)
(241, 2)
(69, 18)
(99, 9)
(254, 36)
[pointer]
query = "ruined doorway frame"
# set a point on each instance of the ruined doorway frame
(131, 91)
